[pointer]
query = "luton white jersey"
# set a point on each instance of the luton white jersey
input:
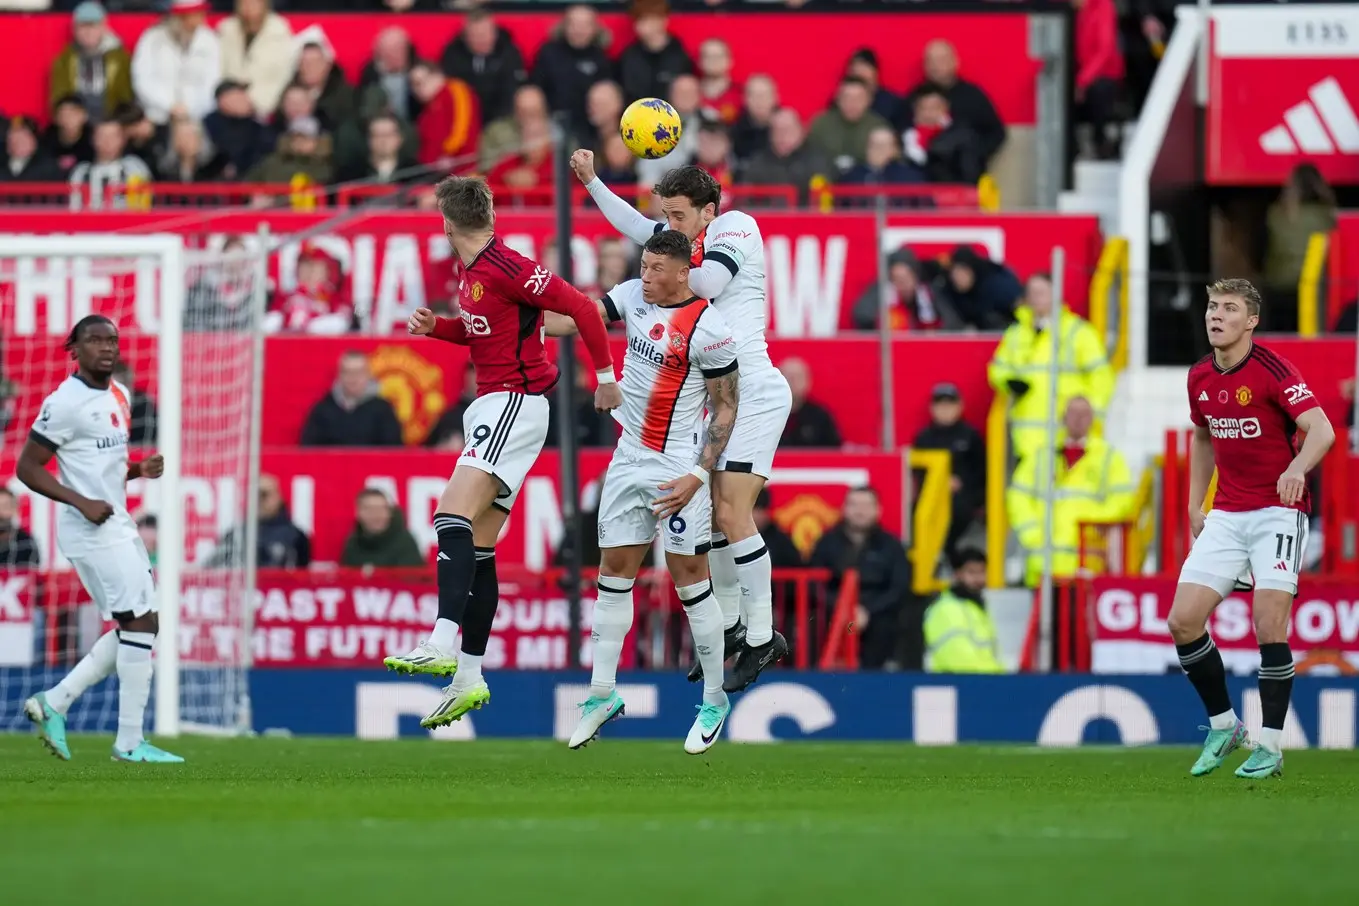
(672, 351)
(734, 240)
(87, 428)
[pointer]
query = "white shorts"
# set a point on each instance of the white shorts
(119, 578)
(631, 485)
(504, 433)
(1267, 544)
(761, 415)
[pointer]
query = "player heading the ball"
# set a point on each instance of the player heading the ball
(727, 267)
(681, 357)
(1248, 405)
(502, 298)
(86, 423)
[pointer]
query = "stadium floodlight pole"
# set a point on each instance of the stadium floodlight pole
(1049, 476)
(889, 408)
(566, 393)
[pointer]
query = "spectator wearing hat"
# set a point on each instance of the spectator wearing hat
(648, 65)
(983, 292)
(241, 140)
(94, 66)
(841, 133)
(863, 65)
(177, 64)
(967, 458)
(69, 139)
(25, 160)
(908, 298)
(303, 150)
(258, 52)
(485, 56)
(319, 303)
(809, 423)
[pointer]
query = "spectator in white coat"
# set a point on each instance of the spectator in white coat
(177, 64)
(257, 51)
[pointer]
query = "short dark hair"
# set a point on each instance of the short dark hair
(965, 555)
(1041, 275)
(466, 202)
(693, 183)
(931, 88)
(713, 127)
(1238, 286)
(128, 113)
(389, 117)
(71, 100)
(372, 492)
(866, 489)
(854, 80)
(425, 64)
(671, 244)
(81, 326)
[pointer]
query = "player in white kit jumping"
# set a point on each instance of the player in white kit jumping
(681, 357)
(727, 268)
(85, 423)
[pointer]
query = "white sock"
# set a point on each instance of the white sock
(134, 687)
(705, 622)
(93, 667)
(445, 635)
(1224, 721)
(1271, 740)
(608, 630)
(755, 575)
(469, 670)
(726, 584)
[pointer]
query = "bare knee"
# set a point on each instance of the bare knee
(733, 519)
(687, 570)
(1189, 614)
(621, 562)
(1270, 612)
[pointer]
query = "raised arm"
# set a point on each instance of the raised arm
(543, 289)
(624, 218)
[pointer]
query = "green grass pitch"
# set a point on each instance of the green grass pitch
(328, 821)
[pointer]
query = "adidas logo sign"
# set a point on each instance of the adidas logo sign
(1203, 396)
(1325, 123)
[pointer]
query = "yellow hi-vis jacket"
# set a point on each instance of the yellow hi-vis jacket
(1099, 488)
(960, 637)
(1025, 354)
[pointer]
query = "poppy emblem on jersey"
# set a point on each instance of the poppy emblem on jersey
(1222, 396)
(1243, 396)
(677, 342)
(113, 416)
(657, 331)
(476, 292)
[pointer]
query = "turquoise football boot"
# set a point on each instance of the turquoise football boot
(1262, 764)
(1218, 745)
(145, 753)
(51, 725)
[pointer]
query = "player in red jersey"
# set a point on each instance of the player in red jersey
(502, 299)
(1248, 405)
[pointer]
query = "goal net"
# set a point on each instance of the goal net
(191, 354)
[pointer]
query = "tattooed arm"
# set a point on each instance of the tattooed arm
(722, 399)
(723, 396)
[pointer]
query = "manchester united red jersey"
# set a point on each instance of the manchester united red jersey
(1250, 411)
(502, 295)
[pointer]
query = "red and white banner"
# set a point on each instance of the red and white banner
(320, 486)
(16, 618)
(993, 48)
(818, 264)
(1130, 634)
(1284, 90)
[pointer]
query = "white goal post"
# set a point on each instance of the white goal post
(207, 387)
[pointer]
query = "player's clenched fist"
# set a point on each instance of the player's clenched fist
(421, 323)
(583, 163)
(96, 511)
(151, 467)
(608, 397)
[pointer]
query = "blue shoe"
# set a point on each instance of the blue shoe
(1261, 764)
(51, 725)
(706, 728)
(145, 753)
(1218, 745)
(594, 714)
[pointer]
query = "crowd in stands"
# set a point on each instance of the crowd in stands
(251, 101)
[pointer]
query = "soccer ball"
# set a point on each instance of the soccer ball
(650, 128)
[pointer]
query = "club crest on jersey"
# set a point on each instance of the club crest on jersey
(1223, 396)
(1243, 395)
(476, 291)
(677, 342)
(657, 331)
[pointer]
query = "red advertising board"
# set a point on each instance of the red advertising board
(319, 488)
(1130, 633)
(1342, 268)
(993, 48)
(817, 264)
(1284, 88)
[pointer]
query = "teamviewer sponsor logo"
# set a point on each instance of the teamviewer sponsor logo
(1233, 428)
(477, 325)
(1325, 123)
